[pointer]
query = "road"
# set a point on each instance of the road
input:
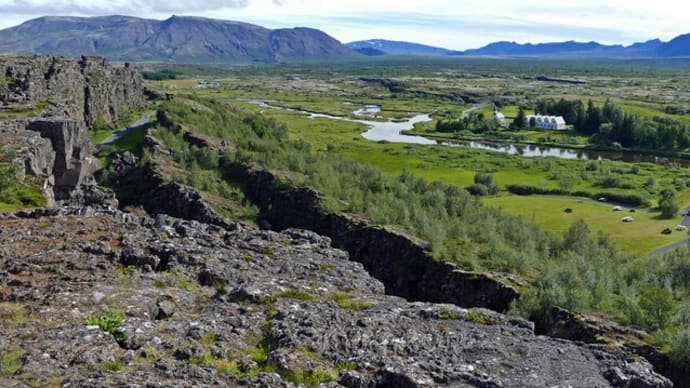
(118, 135)
(467, 111)
(670, 247)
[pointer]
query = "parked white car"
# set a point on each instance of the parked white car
(681, 227)
(627, 219)
(617, 208)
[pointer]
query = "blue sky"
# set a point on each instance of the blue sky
(447, 23)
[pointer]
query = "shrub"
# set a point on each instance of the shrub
(477, 189)
(626, 199)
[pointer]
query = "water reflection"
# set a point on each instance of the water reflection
(391, 131)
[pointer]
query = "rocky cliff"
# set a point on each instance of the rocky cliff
(401, 262)
(93, 296)
(65, 97)
(81, 90)
(104, 298)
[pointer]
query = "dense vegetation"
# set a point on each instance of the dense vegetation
(580, 270)
(610, 125)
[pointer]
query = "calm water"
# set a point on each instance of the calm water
(391, 131)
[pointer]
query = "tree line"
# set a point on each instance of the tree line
(610, 125)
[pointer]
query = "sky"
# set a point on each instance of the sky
(453, 24)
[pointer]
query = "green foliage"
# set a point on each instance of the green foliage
(16, 194)
(310, 377)
(108, 322)
(657, 306)
(475, 123)
(111, 366)
(668, 204)
(289, 294)
(519, 120)
(11, 362)
(580, 270)
(611, 126)
(346, 303)
(161, 75)
(487, 181)
(679, 344)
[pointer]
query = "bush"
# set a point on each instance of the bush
(488, 181)
(533, 190)
(478, 189)
(626, 199)
(680, 343)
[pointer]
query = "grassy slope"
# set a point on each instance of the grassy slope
(639, 237)
(458, 166)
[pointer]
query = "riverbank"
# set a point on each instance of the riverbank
(582, 151)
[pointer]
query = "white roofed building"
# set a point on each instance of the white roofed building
(498, 116)
(545, 122)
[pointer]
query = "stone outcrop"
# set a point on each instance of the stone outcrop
(401, 262)
(100, 297)
(80, 90)
(67, 97)
(561, 323)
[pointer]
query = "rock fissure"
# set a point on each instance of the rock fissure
(91, 295)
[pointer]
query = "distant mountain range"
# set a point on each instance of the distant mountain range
(195, 39)
(190, 39)
(381, 47)
(677, 47)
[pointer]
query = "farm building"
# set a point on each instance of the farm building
(545, 122)
(498, 116)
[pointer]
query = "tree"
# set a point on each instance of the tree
(657, 304)
(667, 204)
(488, 181)
(519, 121)
(593, 120)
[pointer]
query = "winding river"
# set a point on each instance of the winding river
(391, 131)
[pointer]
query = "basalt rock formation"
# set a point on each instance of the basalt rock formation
(103, 298)
(93, 296)
(66, 97)
(84, 90)
(400, 261)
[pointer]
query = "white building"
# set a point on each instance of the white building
(498, 116)
(545, 122)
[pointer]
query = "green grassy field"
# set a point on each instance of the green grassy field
(341, 91)
(639, 237)
(459, 165)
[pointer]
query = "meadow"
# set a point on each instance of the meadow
(447, 89)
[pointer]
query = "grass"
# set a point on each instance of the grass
(458, 166)
(639, 237)
(108, 322)
(289, 294)
(346, 302)
(11, 362)
(423, 91)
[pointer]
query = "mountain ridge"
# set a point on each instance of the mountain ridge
(178, 38)
(393, 47)
(653, 48)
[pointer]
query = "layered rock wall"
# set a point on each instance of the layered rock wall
(81, 90)
(401, 262)
(67, 97)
